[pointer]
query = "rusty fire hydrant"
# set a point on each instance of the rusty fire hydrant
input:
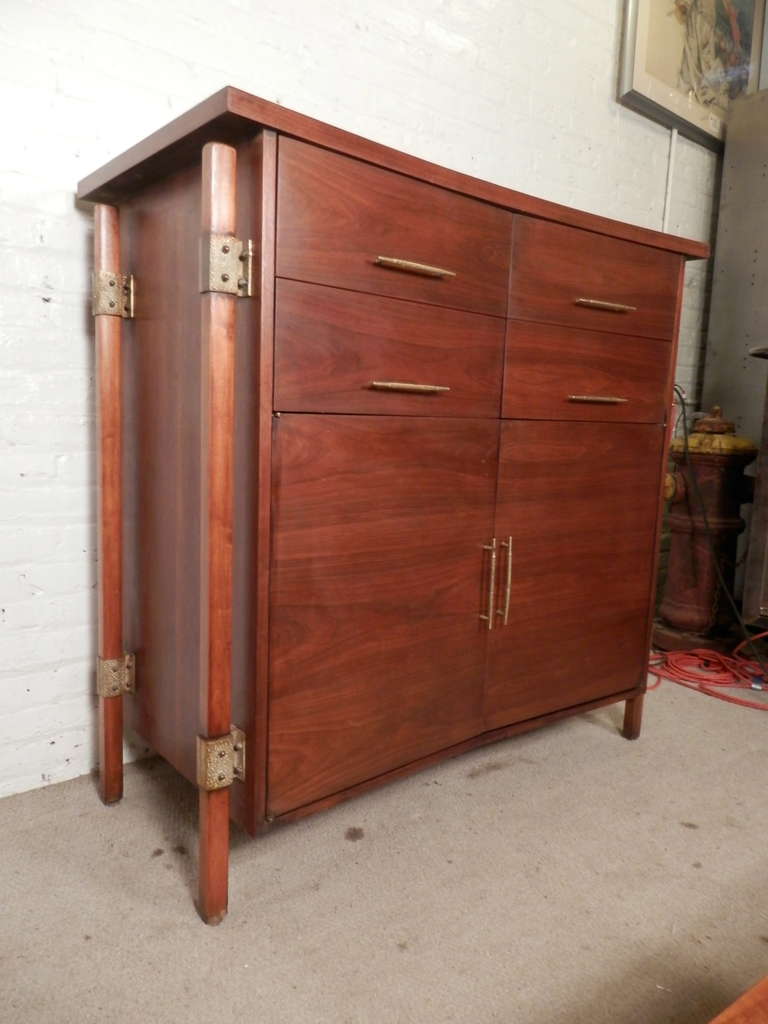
(704, 523)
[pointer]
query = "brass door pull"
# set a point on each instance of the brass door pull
(491, 583)
(416, 389)
(599, 399)
(504, 612)
(413, 268)
(610, 307)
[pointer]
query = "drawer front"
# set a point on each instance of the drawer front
(346, 352)
(564, 275)
(558, 373)
(346, 223)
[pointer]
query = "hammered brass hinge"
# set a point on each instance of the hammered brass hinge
(115, 676)
(221, 760)
(112, 294)
(226, 265)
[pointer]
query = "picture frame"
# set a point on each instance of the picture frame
(684, 61)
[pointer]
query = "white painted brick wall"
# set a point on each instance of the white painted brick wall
(520, 94)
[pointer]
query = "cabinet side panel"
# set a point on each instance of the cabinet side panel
(669, 398)
(161, 228)
(256, 169)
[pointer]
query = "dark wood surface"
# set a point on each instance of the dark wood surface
(545, 364)
(633, 718)
(671, 417)
(232, 114)
(481, 740)
(217, 446)
(161, 229)
(267, 236)
(317, 575)
(330, 344)
(335, 216)
(751, 1008)
(110, 724)
(257, 170)
(579, 500)
(213, 855)
(109, 418)
(377, 648)
(218, 314)
(553, 265)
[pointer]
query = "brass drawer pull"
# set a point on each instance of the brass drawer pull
(504, 612)
(416, 389)
(598, 399)
(491, 583)
(413, 268)
(611, 307)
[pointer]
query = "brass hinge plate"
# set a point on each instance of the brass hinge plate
(226, 265)
(221, 760)
(112, 294)
(116, 676)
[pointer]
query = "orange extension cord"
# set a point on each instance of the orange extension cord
(710, 672)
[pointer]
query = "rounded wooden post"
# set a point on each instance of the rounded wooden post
(217, 414)
(108, 330)
(633, 717)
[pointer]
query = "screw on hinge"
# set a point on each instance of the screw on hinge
(220, 759)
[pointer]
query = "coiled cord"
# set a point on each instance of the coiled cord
(711, 673)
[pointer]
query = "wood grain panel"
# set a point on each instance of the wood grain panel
(554, 265)
(109, 418)
(377, 648)
(330, 344)
(213, 855)
(256, 168)
(161, 229)
(217, 446)
(671, 421)
(217, 449)
(231, 114)
(335, 215)
(482, 739)
(579, 501)
(544, 364)
(633, 718)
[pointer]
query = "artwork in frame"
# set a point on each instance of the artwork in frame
(684, 61)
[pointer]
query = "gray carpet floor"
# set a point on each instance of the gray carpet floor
(563, 876)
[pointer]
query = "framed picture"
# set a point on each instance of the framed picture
(684, 61)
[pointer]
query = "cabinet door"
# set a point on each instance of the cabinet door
(579, 502)
(377, 649)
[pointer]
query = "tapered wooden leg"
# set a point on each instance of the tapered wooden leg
(214, 855)
(633, 717)
(217, 353)
(108, 332)
(111, 749)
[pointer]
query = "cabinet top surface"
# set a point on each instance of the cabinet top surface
(231, 114)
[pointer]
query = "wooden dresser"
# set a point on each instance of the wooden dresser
(381, 459)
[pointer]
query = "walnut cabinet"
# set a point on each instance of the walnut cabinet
(381, 449)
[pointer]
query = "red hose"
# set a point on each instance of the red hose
(710, 671)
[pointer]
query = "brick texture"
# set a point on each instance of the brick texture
(516, 94)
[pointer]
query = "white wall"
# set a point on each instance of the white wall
(521, 94)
